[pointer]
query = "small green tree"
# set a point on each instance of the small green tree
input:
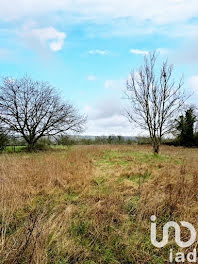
(180, 127)
(185, 127)
(110, 139)
(120, 139)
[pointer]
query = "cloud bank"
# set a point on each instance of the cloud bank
(158, 11)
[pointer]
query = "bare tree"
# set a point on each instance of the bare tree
(154, 98)
(34, 109)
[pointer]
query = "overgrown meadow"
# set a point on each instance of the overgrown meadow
(92, 204)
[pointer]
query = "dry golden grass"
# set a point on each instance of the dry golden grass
(93, 204)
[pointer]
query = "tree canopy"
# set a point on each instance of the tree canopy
(34, 109)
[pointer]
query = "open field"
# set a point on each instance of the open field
(92, 204)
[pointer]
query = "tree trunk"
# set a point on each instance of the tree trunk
(156, 148)
(31, 146)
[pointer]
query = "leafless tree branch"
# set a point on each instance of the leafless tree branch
(34, 109)
(154, 98)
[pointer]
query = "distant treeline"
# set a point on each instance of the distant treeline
(6, 140)
(184, 134)
(98, 140)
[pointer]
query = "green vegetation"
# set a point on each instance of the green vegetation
(185, 126)
(3, 140)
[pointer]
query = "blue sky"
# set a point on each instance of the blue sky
(87, 48)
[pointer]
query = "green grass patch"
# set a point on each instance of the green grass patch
(149, 157)
(136, 178)
(13, 149)
(112, 157)
(126, 158)
(131, 206)
(71, 196)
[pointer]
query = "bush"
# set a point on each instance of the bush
(41, 145)
(65, 140)
(3, 140)
(171, 142)
(143, 140)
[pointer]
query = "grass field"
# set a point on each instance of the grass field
(92, 204)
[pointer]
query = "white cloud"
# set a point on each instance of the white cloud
(99, 52)
(187, 30)
(115, 125)
(107, 18)
(139, 52)
(105, 118)
(114, 84)
(163, 51)
(187, 53)
(193, 84)
(157, 11)
(44, 37)
(91, 78)
(57, 45)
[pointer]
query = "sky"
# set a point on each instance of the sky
(87, 49)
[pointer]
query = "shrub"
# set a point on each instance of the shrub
(3, 140)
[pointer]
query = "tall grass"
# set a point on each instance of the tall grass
(93, 204)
